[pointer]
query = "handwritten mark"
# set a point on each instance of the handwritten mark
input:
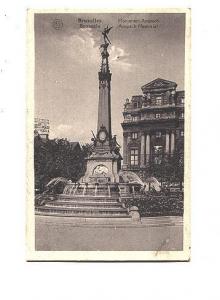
(164, 242)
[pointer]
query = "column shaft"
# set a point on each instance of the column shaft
(172, 142)
(142, 158)
(125, 150)
(167, 143)
(147, 147)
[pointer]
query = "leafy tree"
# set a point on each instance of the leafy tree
(58, 158)
(171, 169)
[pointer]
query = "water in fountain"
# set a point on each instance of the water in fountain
(132, 178)
(84, 190)
(109, 191)
(55, 181)
(152, 182)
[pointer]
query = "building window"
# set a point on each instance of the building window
(182, 101)
(127, 117)
(134, 157)
(157, 116)
(182, 133)
(182, 115)
(134, 135)
(134, 118)
(158, 134)
(136, 104)
(158, 101)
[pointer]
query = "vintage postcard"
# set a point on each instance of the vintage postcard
(108, 135)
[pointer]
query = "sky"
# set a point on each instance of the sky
(67, 62)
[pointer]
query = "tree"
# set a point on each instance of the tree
(58, 158)
(170, 169)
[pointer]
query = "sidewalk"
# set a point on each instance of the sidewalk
(75, 234)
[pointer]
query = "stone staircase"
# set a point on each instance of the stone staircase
(99, 206)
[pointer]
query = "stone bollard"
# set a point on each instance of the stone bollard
(134, 213)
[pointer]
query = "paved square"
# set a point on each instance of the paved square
(71, 234)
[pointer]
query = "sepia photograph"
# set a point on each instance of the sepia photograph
(108, 135)
(109, 176)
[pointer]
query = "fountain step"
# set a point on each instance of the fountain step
(93, 194)
(89, 198)
(82, 212)
(84, 208)
(84, 204)
(99, 206)
(84, 215)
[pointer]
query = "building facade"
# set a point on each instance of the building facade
(42, 128)
(153, 127)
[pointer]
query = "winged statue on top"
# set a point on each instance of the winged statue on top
(105, 33)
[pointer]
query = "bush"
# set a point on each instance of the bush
(152, 205)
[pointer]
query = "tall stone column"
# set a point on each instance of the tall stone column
(125, 149)
(142, 158)
(172, 144)
(104, 107)
(147, 151)
(167, 142)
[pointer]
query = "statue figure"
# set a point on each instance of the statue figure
(105, 34)
(115, 143)
(94, 139)
(115, 147)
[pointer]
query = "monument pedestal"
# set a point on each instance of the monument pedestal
(102, 168)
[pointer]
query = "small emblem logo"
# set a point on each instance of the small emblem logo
(57, 24)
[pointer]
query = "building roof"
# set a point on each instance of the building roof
(158, 84)
(137, 97)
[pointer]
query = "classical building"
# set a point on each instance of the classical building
(153, 126)
(42, 128)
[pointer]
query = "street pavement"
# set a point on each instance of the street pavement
(74, 234)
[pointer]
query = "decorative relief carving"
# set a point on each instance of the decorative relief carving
(100, 170)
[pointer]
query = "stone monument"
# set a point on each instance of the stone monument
(104, 163)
